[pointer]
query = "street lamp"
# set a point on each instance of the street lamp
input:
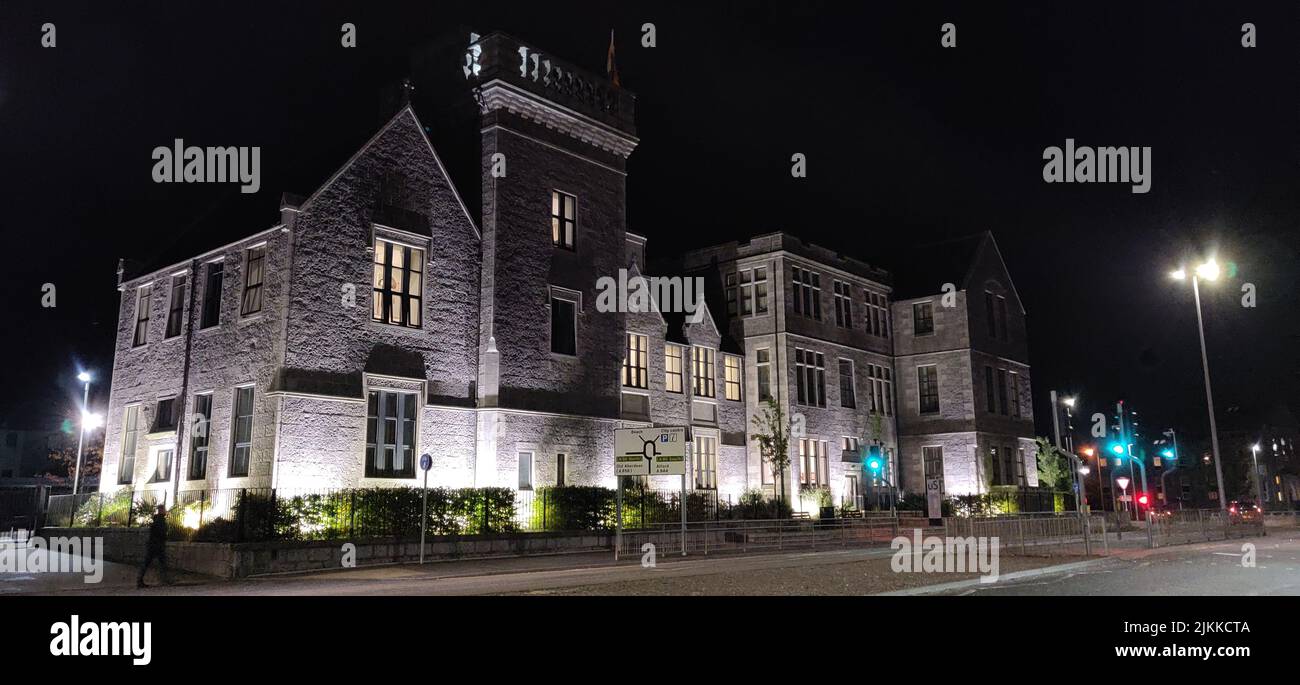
(1210, 272)
(1259, 486)
(86, 420)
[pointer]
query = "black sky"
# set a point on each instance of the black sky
(906, 142)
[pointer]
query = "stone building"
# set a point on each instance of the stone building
(390, 314)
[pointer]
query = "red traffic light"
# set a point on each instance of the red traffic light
(1142, 499)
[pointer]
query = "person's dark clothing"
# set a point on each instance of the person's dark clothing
(156, 548)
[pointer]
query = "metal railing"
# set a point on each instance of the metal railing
(714, 537)
(1201, 525)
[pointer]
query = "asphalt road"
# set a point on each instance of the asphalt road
(1213, 568)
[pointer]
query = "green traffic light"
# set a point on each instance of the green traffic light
(1117, 449)
(1168, 454)
(874, 464)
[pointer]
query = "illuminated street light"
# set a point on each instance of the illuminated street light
(1259, 487)
(1210, 272)
(91, 420)
(86, 420)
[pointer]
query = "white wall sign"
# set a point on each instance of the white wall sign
(650, 451)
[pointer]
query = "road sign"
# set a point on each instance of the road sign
(650, 451)
(426, 462)
(934, 497)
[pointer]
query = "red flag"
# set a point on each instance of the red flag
(611, 69)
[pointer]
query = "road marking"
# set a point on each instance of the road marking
(1226, 554)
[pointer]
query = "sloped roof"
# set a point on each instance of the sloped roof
(929, 266)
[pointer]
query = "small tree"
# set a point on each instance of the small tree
(1050, 469)
(772, 431)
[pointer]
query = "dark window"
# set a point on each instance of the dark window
(561, 468)
(807, 292)
(810, 377)
(1002, 391)
(212, 296)
(1015, 394)
(241, 442)
(564, 326)
(764, 367)
(390, 435)
(927, 380)
(253, 266)
(11, 440)
(163, 469)
(933, 459)
(989, 398)
(843, 304)
(990, 314)
(847, 396)
(398, 284)
(176, 310)
(1002, 317)
(165, 418)
(564, 219)
(922, 318)
(200, 435)
(130, 431)
(143, 299)
(877, 315)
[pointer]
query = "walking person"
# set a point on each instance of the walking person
(156, 548)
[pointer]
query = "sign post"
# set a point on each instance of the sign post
(934, 498)
(648, 452)
(426, 463)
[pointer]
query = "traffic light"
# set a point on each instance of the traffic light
(1117, 448)
(874, 462)
(1143, 499)
(1167, 454)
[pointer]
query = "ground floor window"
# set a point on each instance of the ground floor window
(390, 434)
(706, 462)
(814, 466)
(163, 469)
(241, 443)
(932, 457)
(561, 469)
(525, 470)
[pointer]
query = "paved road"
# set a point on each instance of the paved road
(1213, 568)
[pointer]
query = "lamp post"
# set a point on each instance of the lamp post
(1210, 272)
(1259, 486)
(84, 377)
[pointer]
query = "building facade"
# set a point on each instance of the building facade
(376, 321)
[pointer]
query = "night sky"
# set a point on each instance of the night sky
(906, 143)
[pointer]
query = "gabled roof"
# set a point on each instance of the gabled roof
(931, 265)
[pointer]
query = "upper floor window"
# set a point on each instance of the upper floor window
(990, 396)
(165, 416)
(398, 284)
(843, 304)
(877, 314)
(763, 367)
(923, 318)
(807, 292)
(747, 292)
(142, 306)
(253, 266)
(1015, 394)
(390, 434)
(564, 219)
(810, 377)
(176, 307)
(1002, 317)
(702, 379)
(927, 383)
(636, 362)
(882, 389)
(564, 326)
(848, 397)
(1002, 391)
(673, 367)
(731, 376)
(211, 314)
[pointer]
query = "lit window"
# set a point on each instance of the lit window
(398, 284)
(702, 376)
(731, 376)
(130, 431)
(525, 470)
(814, 465)
(705, 466)
(673, 367)
(564, 219)
(763, 365)
(163, 469)
(200, 436)
(635, 362)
